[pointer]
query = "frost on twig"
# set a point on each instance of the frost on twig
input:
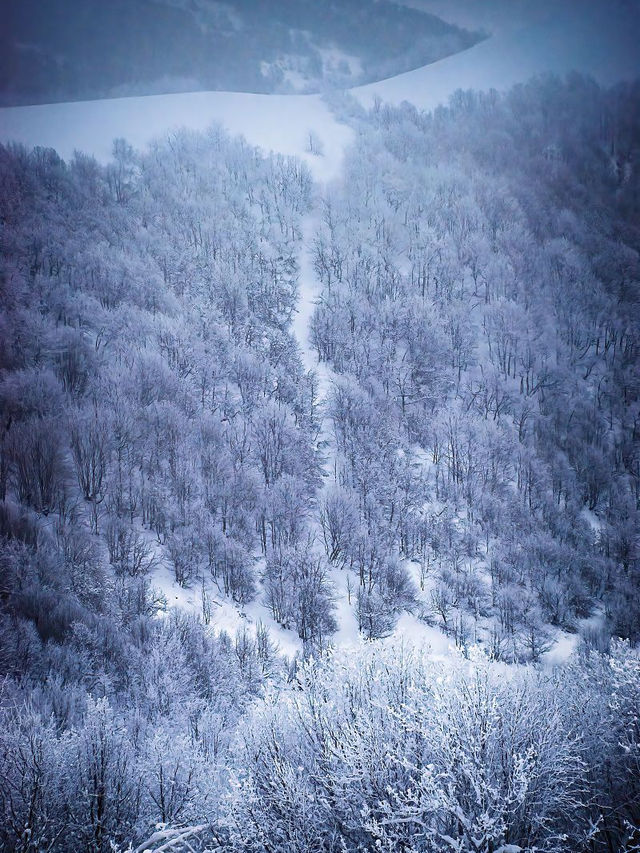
(187, 838)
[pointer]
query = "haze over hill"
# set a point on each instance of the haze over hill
(77, 49)
(498, 16)
(595, 38)
(600, 41)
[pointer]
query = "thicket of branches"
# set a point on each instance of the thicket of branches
(479, 311)
(154, 413)
(480, 306)
(383, 749)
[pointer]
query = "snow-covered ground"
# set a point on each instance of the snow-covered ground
(278, 123)
(597, 37)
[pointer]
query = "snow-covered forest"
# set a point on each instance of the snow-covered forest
(319, 503)
(479, 309)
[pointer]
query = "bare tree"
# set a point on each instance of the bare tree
(91, 448)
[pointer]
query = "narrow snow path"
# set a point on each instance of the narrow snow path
(309, 289)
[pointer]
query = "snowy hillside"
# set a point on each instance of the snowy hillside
(280, 123)
(320, 448)
(597, 42)
(557, 40)
(69, 50)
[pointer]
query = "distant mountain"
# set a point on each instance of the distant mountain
(83, 49)
(599, 39)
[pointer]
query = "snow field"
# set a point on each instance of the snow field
(279, 123)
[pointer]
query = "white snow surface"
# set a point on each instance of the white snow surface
(279, 123)
(562, 650)
(226, 615)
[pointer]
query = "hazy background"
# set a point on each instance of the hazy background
(78, 49)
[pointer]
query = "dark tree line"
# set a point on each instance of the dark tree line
(71, 50)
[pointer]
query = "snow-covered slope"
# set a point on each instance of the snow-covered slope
(592, 37)
(274, 122)
(595, 37)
